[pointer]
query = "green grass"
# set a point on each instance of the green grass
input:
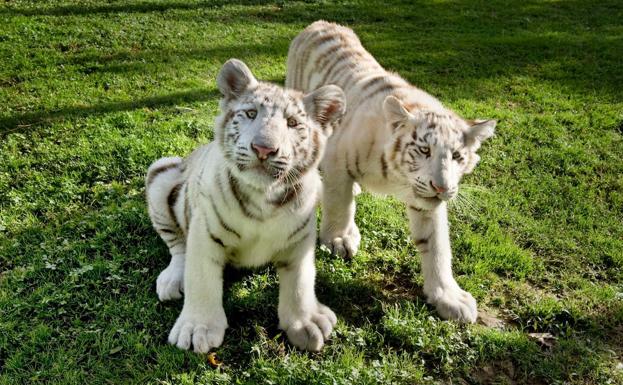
(92, 92)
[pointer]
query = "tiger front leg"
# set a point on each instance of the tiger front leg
(429, 230)
(170, 282)
(338, 230)
(202, 321)
(307, 322)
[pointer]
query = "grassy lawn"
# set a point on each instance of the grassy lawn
(92, 92)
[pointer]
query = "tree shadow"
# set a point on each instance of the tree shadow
(126, 7)
(357, 301)
(529, 39)
(23, 122)
(126, 62)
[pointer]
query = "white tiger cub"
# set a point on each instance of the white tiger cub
(394, 139)
(247, 198)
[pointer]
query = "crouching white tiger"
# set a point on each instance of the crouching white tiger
(394, 139)
(247, 198)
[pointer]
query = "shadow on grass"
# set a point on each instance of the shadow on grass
(125, 7)
(124, 256)
(450, 51)
(139, 61)
(437, 44)
(23, 122)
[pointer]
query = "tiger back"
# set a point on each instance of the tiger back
(394, 139)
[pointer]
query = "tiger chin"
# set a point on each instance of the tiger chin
(247, 199)
(394, 139)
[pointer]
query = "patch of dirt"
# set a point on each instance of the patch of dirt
(501, 372)
(400, 287)
(490, 320)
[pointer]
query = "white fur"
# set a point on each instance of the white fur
(253, 231)
(380, 145)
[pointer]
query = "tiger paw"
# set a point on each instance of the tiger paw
(454, 303)
(170, 283)
(309, 332)
(203, 332)
(345, 246)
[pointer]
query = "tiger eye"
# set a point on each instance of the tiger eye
(456, 155)
(251, 114)
(292, 122)
(424, 150)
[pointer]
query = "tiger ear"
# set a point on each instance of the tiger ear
(395, 112)
(326, 104)
(478, 132)
(235, 78)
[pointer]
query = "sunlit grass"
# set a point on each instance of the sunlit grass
(92, 92)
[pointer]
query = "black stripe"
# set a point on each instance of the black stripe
(357, 163)
(216, 240)
(415, 208)
(322, 40)
(346, 83)
(282, 265)
(302, 169)
(159, 170)
(219, 184)
(187, 213)
(300, 228)
(309, 43)
(382, 88)
(397, 146)
(220, 218)
(339, 59)
(326, 54)
(296, 45)
(404, 150)
(229, 115)
(370, 148)
(171, 199)
(169, 238)
(289, 194)
(349, 172)
(372, 82)
(163, 224)
(166, 230)
(383, 166)
(338, 73)
(172, 245)
(421, 242)
(241, 197)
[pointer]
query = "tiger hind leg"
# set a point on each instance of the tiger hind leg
(164, 184)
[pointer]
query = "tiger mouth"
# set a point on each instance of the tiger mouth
(265, 170)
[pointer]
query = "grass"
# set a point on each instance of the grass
(92, 92)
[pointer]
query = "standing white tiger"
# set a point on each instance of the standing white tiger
(394, 139)
(247, 198)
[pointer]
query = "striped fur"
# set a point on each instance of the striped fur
(233, 201)
(394, 139)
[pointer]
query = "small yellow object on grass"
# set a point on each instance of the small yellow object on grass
(213, 361)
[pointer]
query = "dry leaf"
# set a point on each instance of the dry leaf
(115, 350)
(213, 361)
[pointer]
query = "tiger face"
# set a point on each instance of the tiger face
(430, 150)
(271, 134)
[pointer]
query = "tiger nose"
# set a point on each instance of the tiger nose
(263, 152)
(439, 189)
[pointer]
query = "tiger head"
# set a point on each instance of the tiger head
(270, 134)
(431, 150)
